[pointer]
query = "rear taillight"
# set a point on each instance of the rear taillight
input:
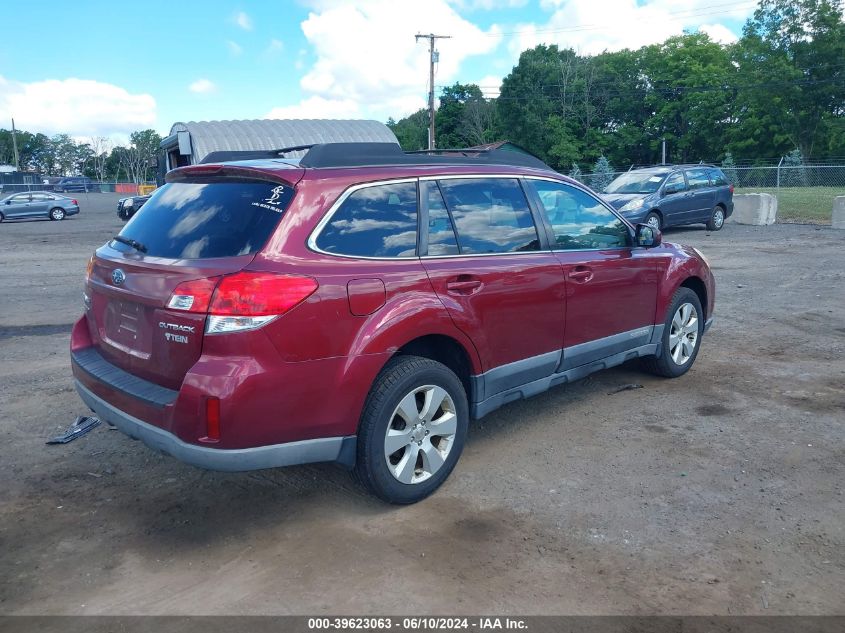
(194, 295)
(260, 294)
(243, 301)
(75, 203)
(731, 188)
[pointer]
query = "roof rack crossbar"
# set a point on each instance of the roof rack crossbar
(462, 150)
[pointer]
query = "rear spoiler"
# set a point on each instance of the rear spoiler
(286, 173)
(224, 156)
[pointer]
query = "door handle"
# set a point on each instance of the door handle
(464, 285)
(581, 274)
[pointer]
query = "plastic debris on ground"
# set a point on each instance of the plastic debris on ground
(82, 425)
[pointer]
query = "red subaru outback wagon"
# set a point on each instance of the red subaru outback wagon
(360, 305)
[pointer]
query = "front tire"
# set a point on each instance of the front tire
(717, 220)
(653, 220)
(682, 332)
(412, 430)
(57, 213)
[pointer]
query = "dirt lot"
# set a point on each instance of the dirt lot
(717, 493)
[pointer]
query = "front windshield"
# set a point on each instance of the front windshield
(633, 182)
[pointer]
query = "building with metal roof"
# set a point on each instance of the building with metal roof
(188, 143)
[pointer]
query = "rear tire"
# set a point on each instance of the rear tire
(681, 340)
(412, 430)
(653, 220)
(2, 217)
(717, 219)
(57, 213)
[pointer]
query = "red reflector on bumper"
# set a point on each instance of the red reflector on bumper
(212, 420)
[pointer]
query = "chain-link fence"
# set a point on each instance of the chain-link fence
(805, 193)
(75, 185)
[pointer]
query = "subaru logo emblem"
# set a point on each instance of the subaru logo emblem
(118, 277)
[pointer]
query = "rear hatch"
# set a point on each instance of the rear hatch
(191, 233)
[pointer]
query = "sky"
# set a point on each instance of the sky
(105, 70)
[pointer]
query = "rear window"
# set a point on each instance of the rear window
(202, 220)
(377, 221)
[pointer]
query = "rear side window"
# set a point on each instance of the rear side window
(184, 220)
(491, 215)
(718, 178)
(377, 221)
(697, 179)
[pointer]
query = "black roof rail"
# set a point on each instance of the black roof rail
(365, 154)
(375, 154)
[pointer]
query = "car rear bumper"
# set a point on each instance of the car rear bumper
(326, 449)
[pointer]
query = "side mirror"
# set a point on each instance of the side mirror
(670, 189)
(8, 202)
(648, 236)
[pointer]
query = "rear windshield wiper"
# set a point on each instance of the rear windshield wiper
(130, 242)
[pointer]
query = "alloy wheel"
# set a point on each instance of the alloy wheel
(683, 335)
(420, 434)
(718, 218)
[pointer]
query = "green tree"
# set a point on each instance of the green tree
(729, 169)
(525, 104)
(411, 131)
(793, 174)
(791, 54)
(686, 95)
(139, 156)
(603, 174)
(450, 118)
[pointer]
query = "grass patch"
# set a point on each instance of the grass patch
(811, 205)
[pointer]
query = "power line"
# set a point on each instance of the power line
(688, 13)
(644, 91)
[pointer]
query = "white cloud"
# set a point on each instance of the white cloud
(79, 107)
(591, 27)
(488, 5)
(243, 21)
(234, 48)
(274, 47)
(490, 85)
(317, 107)
(719, 33)
(366, 53)
(202, 86)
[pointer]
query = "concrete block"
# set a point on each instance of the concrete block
(760, 209)
(837, 219)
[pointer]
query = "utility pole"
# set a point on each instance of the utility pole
(434, 57)
(15, 147)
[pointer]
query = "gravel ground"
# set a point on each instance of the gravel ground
(717, 493)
